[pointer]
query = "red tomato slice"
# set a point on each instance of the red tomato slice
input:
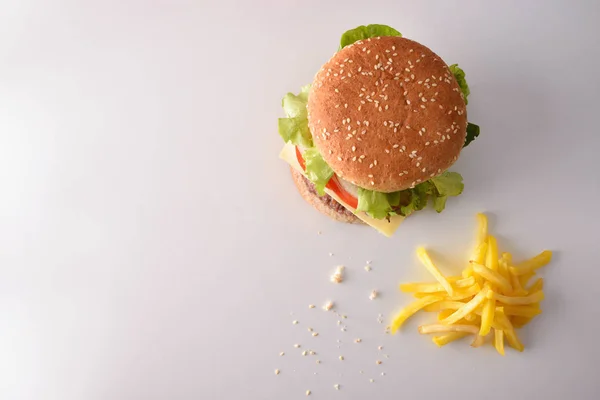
(332, 185)
(300, 158)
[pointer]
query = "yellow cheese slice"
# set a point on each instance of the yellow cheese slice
(288, 154)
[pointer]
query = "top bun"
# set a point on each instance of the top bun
(386, 114)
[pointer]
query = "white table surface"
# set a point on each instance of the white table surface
(152, 245)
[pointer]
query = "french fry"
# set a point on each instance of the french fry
(447, 338)
(536, 286)
(511, 335)
(519, 321)
(478, 341)
(534, 263)
(480, 253)
(503, 269)
(444, 314)
(499, 341)
(465, 293)
(435, 287)
(440, 328)
(426, 260)
(471, 317)
(522, 311)
(487, 316)
(444, 305)
(492, 254)
(493, 276)
(468, 307)
(411, 309)
(514, 301)
(524, 279)
(480, 235)
(517, 289)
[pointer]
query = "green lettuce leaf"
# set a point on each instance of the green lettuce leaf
(459, 74)
(295, 105)
(378, 205)
(439, 203)
(405, 202)
(472, 133)
(295, 130)
(364, 32)
(419, 195)
(317, 170)
(446, 184)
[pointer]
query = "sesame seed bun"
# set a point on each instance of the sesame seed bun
(325, 204)
(386, 114)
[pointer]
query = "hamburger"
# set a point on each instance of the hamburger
(372, 138)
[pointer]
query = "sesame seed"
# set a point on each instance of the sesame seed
(387, 151)
(354, 158)
(339, 158)
(396, 146)
(375, 161)
(372, 183)
(407, 101)
(370, 175)
(423, 99)
(418, 164)
(422, 106)
(346, 105)
(426, 143)
(423, 129)
(371, 166)
(412, 76)
(277, 372)
(424, 169)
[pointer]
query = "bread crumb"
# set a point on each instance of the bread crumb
(308, 392)
(295, 322)
(337, 276)
(341, 358)
(297, 346)
(357, 340)
(315, 334)
(373, 295)
(378, 362)
(367, 268)
(336, 386)
(328, 306)
(311, 306)
(277, 372)
(281, 354)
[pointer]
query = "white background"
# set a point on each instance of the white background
(152, 245)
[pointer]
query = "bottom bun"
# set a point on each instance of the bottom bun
(325, 204)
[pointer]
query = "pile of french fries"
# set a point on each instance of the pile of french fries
(491, 294)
